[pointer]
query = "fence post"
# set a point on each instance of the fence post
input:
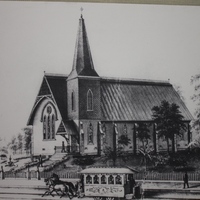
(2, 173)
(28, 173)
(38, 173)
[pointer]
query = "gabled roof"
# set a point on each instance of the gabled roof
(54, 87)
(82, 64)
(58, 87)
(132, 99)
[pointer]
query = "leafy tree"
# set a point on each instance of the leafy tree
(20, 142)
(27, 138)
(124, 140)
(195, 144)
(169, 121)
(13, 144)
(143, 135)
(179, 91)
(118, 152)
(195, 80)
(111, 154)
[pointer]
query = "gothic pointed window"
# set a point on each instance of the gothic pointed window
(48, 119)
(73, 101)
(88, 179)
(110, 179)
(89, 100)
(90, 134)
(44, 127)
(53, 127)
(48, 127)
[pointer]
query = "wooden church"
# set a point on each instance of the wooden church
(82, 113)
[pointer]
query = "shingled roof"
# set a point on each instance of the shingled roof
(82, 64)
(58, 87)
(132, 100)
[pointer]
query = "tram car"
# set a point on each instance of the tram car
(108, 183)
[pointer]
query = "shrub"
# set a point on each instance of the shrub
(86, 160)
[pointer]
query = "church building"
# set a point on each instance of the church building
(82, 113)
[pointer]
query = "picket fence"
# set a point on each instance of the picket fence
(38, 175)
(76, 175)
(178, 176)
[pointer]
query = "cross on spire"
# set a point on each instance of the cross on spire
(81, 12)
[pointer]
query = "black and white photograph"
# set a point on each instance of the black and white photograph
(99, 101)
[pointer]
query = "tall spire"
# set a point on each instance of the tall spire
(82, 64)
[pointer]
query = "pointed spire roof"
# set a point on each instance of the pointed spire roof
(82, 64)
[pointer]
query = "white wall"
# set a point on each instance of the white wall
(40, 146)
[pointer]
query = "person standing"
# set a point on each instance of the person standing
(185, 180)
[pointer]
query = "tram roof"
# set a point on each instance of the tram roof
(108, 170)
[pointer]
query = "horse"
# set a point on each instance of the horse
(60, 188)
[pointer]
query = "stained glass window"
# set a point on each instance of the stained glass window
(49, 119)
(53, 127)
(44, 128)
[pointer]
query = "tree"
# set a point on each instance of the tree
(124, 140)
(142, 130)
(111, 154)
(196, 98)
(27, 138)
(143, 135)
(13, 144)
(20, 142)
(169, 121)
(179, 91)
(195, 144)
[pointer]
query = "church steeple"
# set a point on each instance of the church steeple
(82, 64)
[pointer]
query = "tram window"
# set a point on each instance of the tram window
(103, 179)
(110, 180)
(96, 179)
(118, 179)
(88, 179)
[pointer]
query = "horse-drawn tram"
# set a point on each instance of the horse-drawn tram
(108, 183)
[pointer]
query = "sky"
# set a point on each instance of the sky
(157, 42)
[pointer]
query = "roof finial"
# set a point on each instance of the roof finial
(81, 12)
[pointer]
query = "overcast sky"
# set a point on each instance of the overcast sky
(133, 41)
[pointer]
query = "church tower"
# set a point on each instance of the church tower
(83, 91)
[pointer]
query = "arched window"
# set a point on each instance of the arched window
(89, 100)
(44, 127)
(73, 101)
(49, 118)
(103, 179)
(118, 179)
(96, 179)
(110, 179)
(90, 134)
(48, 127)
(53, 126)
(88, 179)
